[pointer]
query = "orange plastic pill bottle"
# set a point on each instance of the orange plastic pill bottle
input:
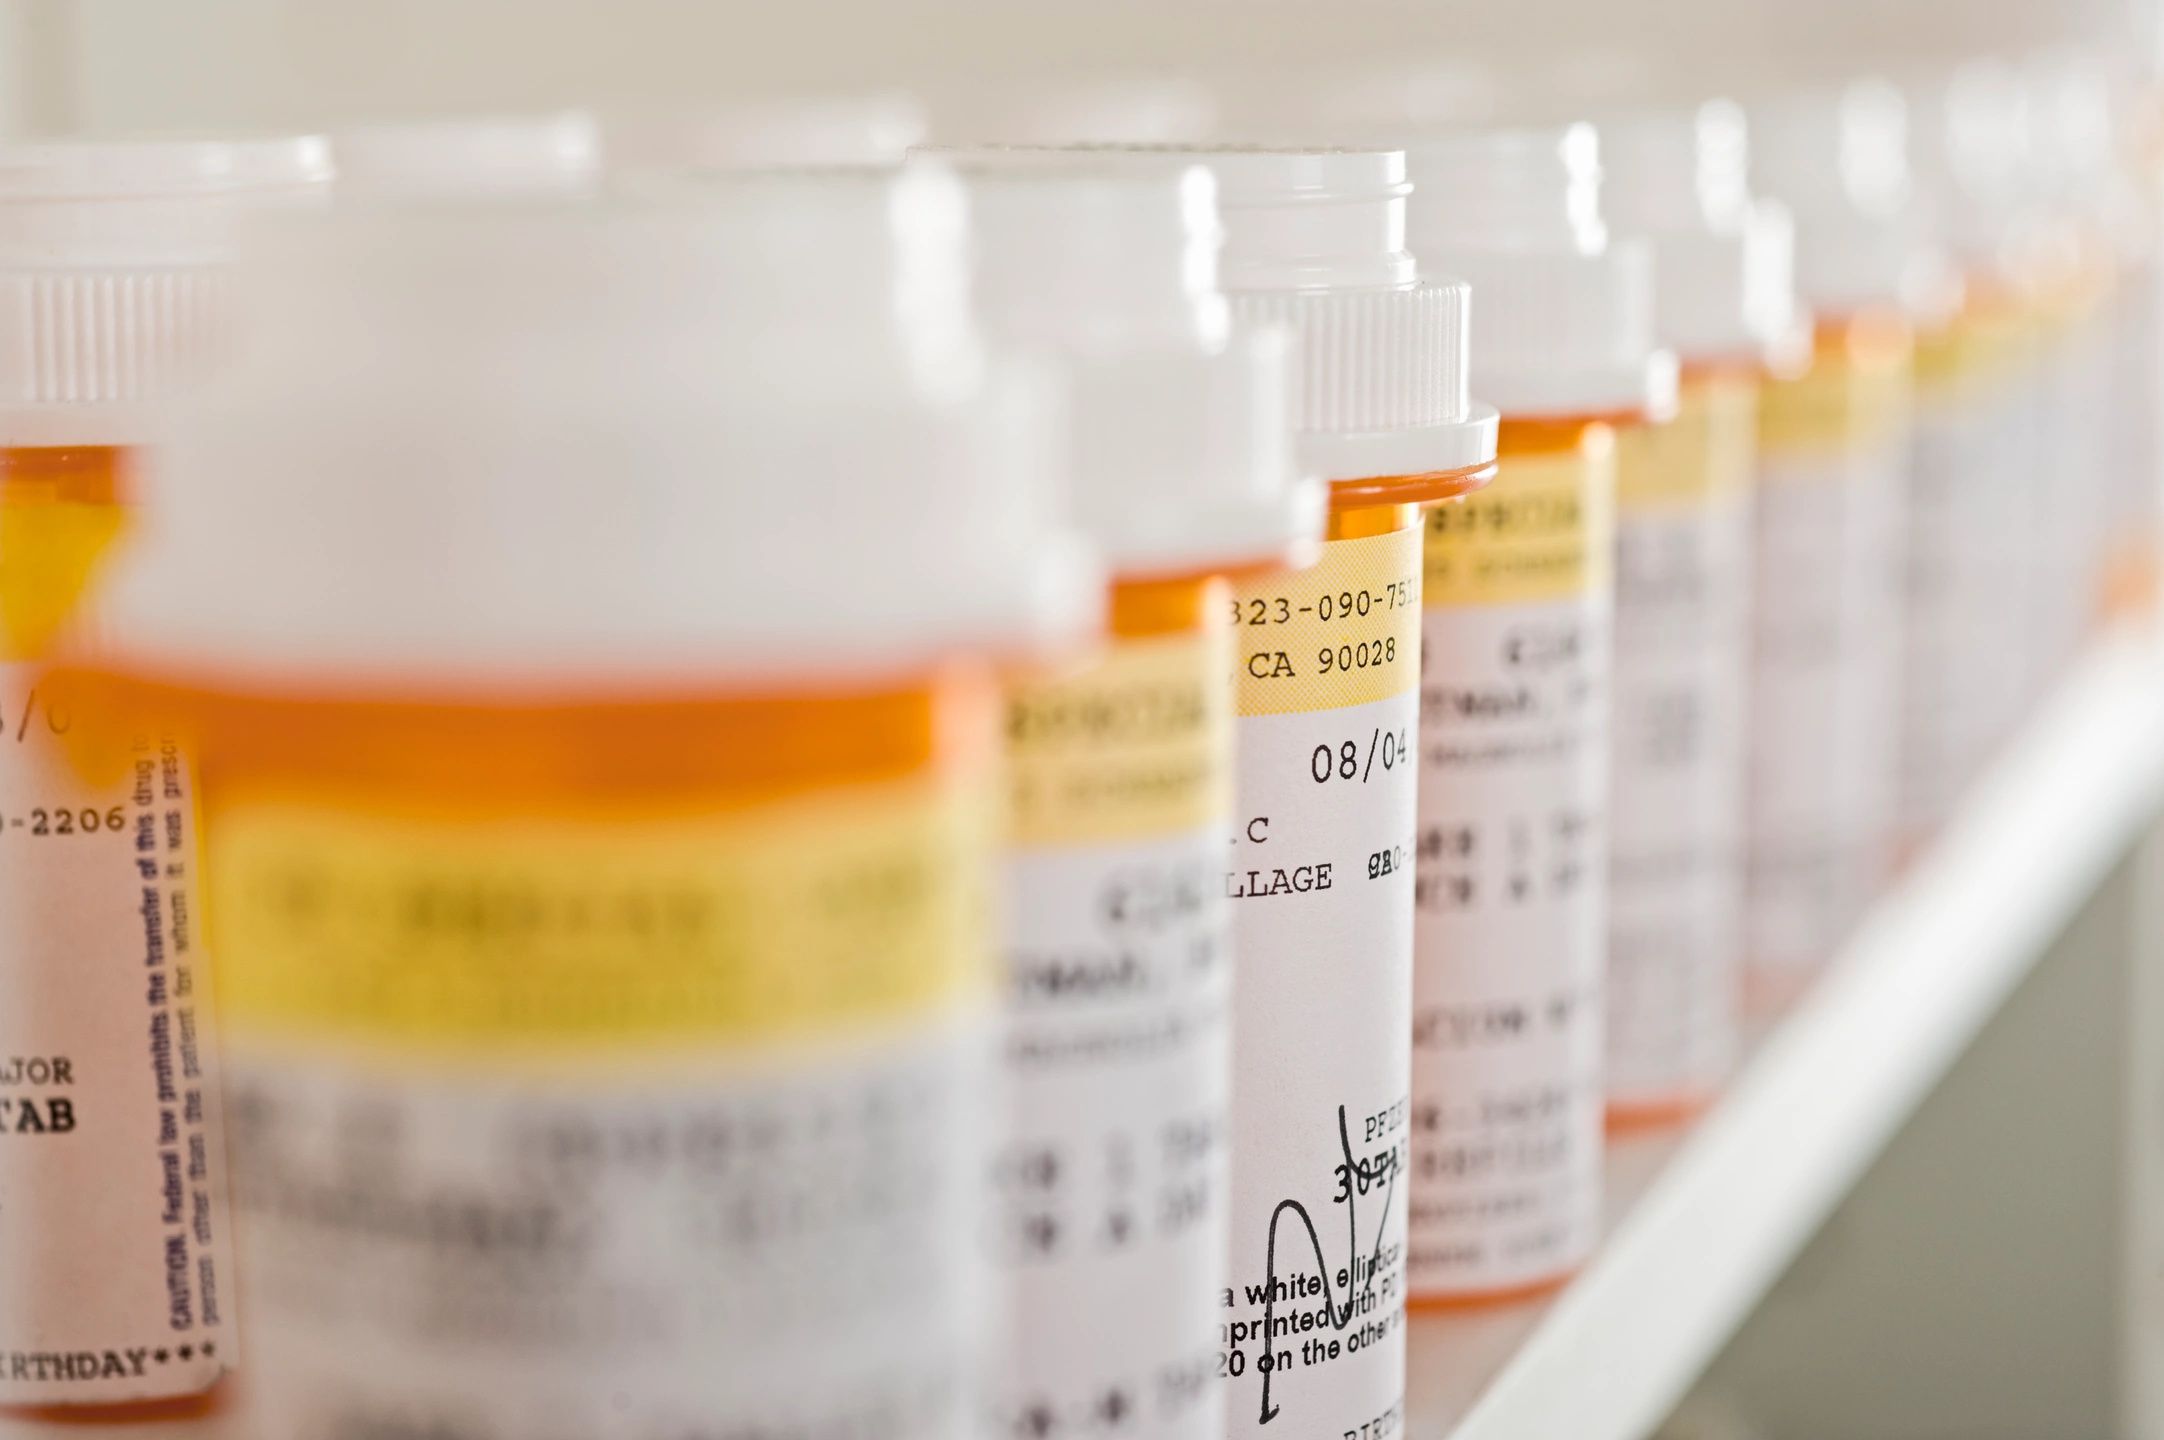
(1973, 550)
(1109, 1186)
(2134, 575)
(582, 615)
(117, 1303)
(1517, 599)
(2100, 331)
(1725, 303)
(1325, 785)
(1833, 484)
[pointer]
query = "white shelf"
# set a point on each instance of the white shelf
(1702, 1223)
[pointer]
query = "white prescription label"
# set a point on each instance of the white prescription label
(1967, 562)
(1110, 1177)
(1313, 1321)
(1682, 591)
(1509, 874)
(2077, 406)
(610, 1128)
(113, 1281)
(772, 1250)
(1825, 649)
(2133, 513)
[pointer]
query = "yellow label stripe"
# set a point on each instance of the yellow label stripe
(1706, 451)
(1838, 403)
(580, 936)
(1982, 346)
(1541, 531)
(1343, 633)
(1135, 743)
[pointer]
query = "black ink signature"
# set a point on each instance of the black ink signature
(1354, 1177)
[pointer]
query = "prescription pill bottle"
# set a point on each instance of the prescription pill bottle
(1517, 599)
(1725, 304)
(581, 613)
(509, 156)
(1833, 456)
(1326, 700)
(1826, 641)
(2135, 512)
(1962, 687)
(2067, 292)
(2096, 236)
(117, 1304)
(1970, 543)
(1110, 1178)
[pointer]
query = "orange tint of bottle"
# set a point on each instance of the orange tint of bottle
(580, 757)
(1363, 508)
(207, 1407)
(1144, 609)
(1638, 1117)
(60, 512)
(2133, 580)
(73, 474)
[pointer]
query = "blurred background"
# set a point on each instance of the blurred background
(126, 64)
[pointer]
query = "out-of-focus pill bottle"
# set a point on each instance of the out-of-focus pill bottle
(1326, 698)
(1725, 303)
(117, 1305)
(1517, 602)
(1110, 1182)
(1834, 448)
(582, 615)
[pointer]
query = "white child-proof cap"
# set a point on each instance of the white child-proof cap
(112, 273)
(536, 448)
(273, 170)
(1837, 157)
(2075, 155)
(1180, 427)
(1562, 321)
(1315, 242)
(1969, 141)
(1724, 259)
(842, 129)
(549, 154)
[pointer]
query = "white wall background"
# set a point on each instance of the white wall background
(161, 64)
